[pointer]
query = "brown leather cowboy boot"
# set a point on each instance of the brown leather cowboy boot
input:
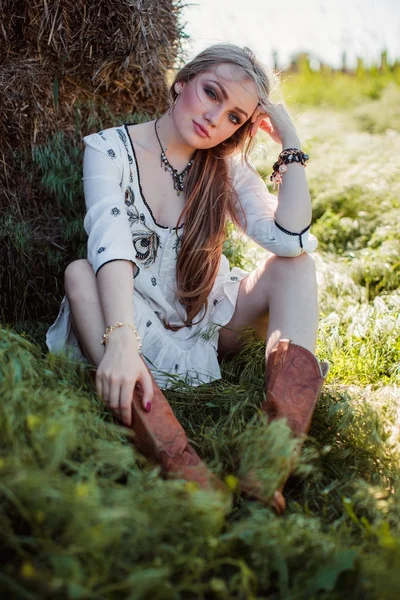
(294, 380)
(162, 439)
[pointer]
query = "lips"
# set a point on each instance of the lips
(200, 129)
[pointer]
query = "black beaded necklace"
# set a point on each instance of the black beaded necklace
(177, 177)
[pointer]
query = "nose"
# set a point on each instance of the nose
(212, 117)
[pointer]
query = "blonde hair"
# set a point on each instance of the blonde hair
(210, 196)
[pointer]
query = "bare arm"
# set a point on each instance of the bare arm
(294, 202)
(121, 367)
(115, 285)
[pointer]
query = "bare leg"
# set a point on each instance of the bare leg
(286, 287)
(279, 300)
(87, 315)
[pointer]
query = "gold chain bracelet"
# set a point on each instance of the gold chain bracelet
(111, 328)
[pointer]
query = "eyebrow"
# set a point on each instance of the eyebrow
(225, 95)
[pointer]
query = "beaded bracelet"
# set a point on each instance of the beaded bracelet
(111, 328)
(286, 157)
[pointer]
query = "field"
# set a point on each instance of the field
(83, 515)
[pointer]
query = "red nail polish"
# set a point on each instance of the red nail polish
(148, 406)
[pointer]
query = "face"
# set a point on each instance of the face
(213, 105)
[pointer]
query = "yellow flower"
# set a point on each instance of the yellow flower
(191, 486)
(231, 482)
(27, 570)
(82, 490)
(53, 430)
(32, 421)
(218, 585)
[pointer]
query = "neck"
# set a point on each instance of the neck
(177, 151)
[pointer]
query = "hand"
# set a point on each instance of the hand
(120, 370)
(274, 119)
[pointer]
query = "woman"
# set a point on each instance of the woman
(156, 235)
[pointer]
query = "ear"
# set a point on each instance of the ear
(179, 85)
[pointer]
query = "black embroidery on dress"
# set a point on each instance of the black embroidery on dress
(122, 136)
(100, 250)
(111, 153)
(115, 211)
(148, 323)
(177, 244)
(215, 302)
(132, 216)
(145, 241)
(132, 211)
(129, 196)
(137, 272)
(101, 134)
(153, 281)
(157, 312)
(176, 368)
(234, 278)
(146, 244)
(124, 141)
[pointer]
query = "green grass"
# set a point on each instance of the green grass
(84, 515)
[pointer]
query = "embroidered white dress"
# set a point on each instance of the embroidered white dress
(120, 225)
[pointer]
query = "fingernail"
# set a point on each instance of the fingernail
(148, 406)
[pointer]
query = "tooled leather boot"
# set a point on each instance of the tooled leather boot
(161, 438)
(294, 380)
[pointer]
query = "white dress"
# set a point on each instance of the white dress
(120, 225)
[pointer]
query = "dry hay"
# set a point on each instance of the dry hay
(67, 67)
(53, 54)
(98, 42)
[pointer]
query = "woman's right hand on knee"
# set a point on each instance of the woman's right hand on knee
(118, 373)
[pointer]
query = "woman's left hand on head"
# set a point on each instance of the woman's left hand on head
(274, 120)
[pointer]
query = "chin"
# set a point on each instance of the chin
(194, 141)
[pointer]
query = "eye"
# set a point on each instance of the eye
(236, 120)
(210, 93)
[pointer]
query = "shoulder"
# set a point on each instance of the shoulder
(141, 132)
(112, 141)
(105, 136)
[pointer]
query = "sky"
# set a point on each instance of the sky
(323, 28)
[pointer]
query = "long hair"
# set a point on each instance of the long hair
(210, 197)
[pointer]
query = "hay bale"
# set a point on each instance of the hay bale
(109, 45)
(117, 51)
(71, 67)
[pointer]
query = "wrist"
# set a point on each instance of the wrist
(292, 141)
(123, 335)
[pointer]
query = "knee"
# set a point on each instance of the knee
(76, 277)
(300, 267)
